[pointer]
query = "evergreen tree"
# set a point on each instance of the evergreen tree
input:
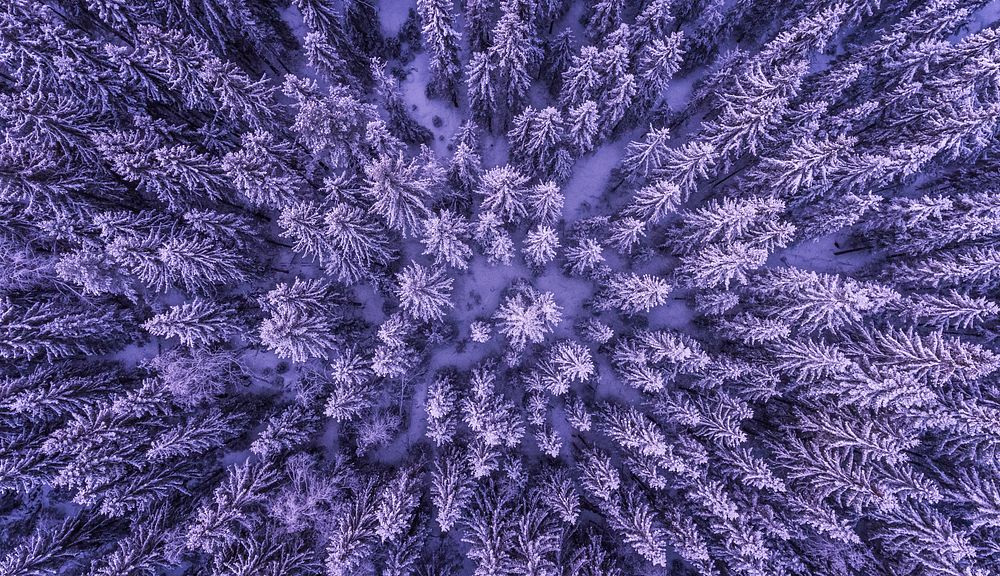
(633, 293)
(290, 429)
(658, 62)
(53, 327)
(653, 22)
(540, 246)
(192, 437)
(815, 302)
(479, 81)
(444, 237)
(465, 167)
(198, 262)
(305, 320)
(440, 35)
(478, 16)
(644, 157)
(584, 256)
(450, 490)
(582, 129)
(352, 387)
(195, 323)
(423, 294)
(263, 171)
(582, 80)
(395, 507)
(526, 315)
(655, 201)
(356, 246)
(318, 14)
(399, 191)
(606, 16)
(401, 123)
(504, 189)
(514, 54)
(753, 108)
(330, 126)
(324, 57)
(685, 165)
(536, 140)
(616, 103)
(721, 265)
(545, 202)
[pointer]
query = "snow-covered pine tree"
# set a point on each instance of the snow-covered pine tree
(536, 139)
(819, 302)
(584, 256)
(545, 203)
(443, 40)
(479, 82)
(540, 246)
(396, 504)
(351, 378)
(582, 128)
(633, 293)
(465, 166)
(55, 327)
(444, 237)
(659, 60)
(263, 170)
(605, 17)
(199, 322)
(305, 320)
(654, 21)
(655, 201)
(424, 293)
(515, 54)
(400, 191)
(451, 489)
(504, 190)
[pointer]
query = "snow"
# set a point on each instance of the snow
(820, 255)
(425, 111)
(591, 175)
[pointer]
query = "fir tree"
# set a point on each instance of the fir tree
(658, 62)
(195, 323)
(540, 246)
(263, 170)
(444, 238)
(55, 328)
(545, 202)
(633, 293)
(584, 256)
(514, 54)
(324, 57)
(440, 35)
(655, 201)
(399, 192)
(450, 490)
(304, 320)
(536, 140)
(606, 16)
(423, 294)
(582, 127)
(356, 246)
(479, 82)
(465, 167)
(504, 189)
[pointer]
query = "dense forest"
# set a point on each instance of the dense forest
(499, 287)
